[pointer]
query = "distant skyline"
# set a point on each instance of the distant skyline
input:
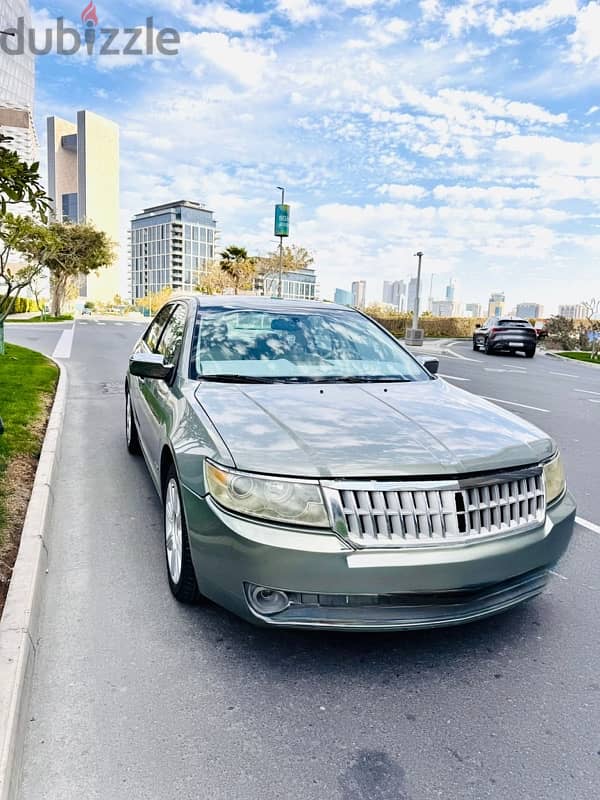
(468, 130)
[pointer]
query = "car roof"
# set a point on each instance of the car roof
(254, 303)
(513, 319)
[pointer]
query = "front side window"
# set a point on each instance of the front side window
(171, 340)
(298, 346)
(152, 335)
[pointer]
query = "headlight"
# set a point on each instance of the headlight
(267, 498)
(554, 478)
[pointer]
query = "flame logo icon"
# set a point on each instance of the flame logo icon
(88, 15)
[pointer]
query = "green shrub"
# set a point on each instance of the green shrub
(436, 327)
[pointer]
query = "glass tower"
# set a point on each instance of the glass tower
(17, 79)
(171, 245)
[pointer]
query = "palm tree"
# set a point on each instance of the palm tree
(238, 265)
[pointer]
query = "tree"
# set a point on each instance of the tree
(592, 315)
(154, 300)
(25, 246)
(238, 266)
(213, 280)
(79, 249)
(20, 182)
(561, 330)
(294, 257)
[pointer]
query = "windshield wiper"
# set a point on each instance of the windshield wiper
(235, 378)
(365, 379)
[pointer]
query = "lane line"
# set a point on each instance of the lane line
(511, 403)
(514, 366)
(585, 523)
(565, 374)
(118, 323)
(101, 323)
(452, 377)
(586, 391)
(558, 575)
(591, 400)
(64, 344)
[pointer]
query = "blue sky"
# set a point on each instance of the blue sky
(470, 130)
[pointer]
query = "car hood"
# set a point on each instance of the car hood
(367, 430)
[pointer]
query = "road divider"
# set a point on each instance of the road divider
(20, 618)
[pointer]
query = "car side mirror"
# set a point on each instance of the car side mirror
(431, 364)
(150, 365)
(478, 325)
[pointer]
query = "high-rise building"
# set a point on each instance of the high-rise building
(451, 290)
(83, 182)
(17, 82)
(473, 310)
(297, 284)
(496, 304)
(343, 297)
(394, 293)
(576, 311)
(171, 245)
(359, 294)
(411, 295)
(529, 310)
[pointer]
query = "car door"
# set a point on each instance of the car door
(139, 388)
(162, 395)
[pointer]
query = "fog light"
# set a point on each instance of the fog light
(267, 601)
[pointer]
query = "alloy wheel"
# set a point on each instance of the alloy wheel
(173, 531)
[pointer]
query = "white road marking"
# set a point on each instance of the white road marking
(64, 344)
(585, 523)
(558, 575)
(591, 400)
(586, 391)
(510, 403)
(100, 323)
(83, 323)
(565, 374)
(452, 377)
(514, 366)
(118, 323)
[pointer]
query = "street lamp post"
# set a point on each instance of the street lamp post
(414, 334)
(280, 287)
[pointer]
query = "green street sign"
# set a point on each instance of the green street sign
(282, 219)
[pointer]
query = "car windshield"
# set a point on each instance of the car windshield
(289, 345)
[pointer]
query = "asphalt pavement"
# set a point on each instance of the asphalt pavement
(135, 696)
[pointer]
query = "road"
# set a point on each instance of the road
(135, 696)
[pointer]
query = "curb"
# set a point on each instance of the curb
(19, 622)
(572, 360)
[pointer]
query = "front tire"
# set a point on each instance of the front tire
(131, 432)
(488, 349)
(530, 353)
(180, 570)
(475, 345)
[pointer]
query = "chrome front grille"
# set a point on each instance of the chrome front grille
(382, 514)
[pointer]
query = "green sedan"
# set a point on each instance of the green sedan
(315, 474)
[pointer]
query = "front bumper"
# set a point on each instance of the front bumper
(333, 586)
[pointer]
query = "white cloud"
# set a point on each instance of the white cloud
(300, 11)
(245, 60)
(218, 16)
(401, 191)
(536, 18)
(585, 41)
(592, 110)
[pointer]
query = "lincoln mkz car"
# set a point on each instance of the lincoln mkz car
(314, 473)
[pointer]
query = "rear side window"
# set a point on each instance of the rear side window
(171, 340)
(152, 335)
